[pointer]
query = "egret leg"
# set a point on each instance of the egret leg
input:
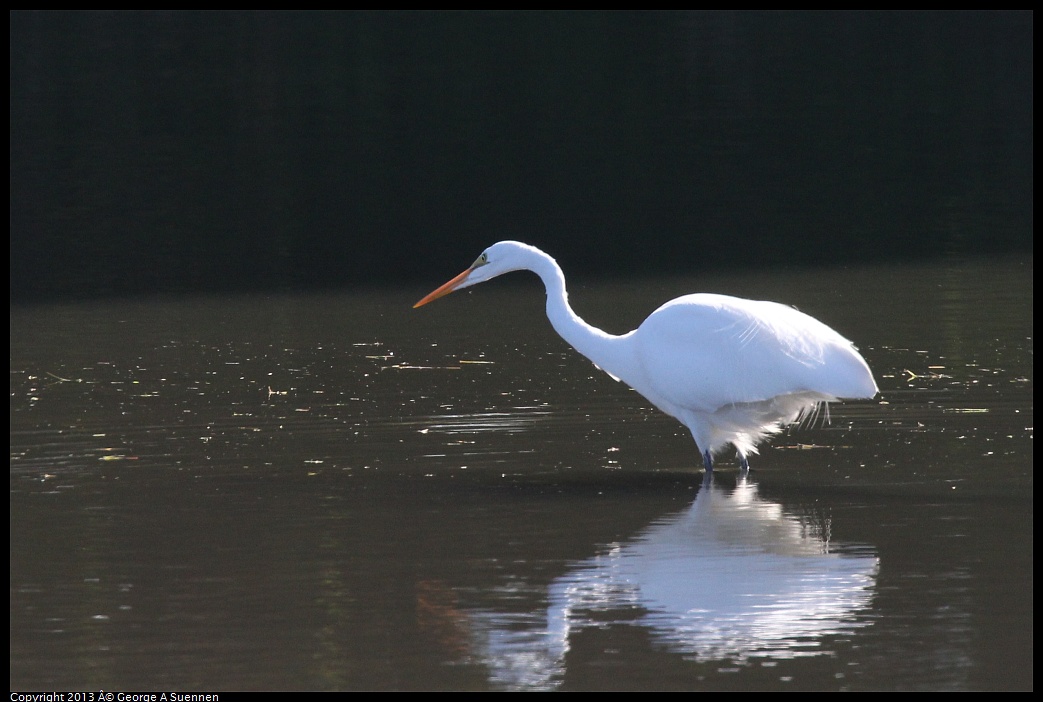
(708, 474)
(744, 465)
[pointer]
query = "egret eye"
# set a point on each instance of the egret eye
(481, 260)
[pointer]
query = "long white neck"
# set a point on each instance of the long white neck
(607, 351)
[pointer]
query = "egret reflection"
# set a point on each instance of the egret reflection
(733, 577)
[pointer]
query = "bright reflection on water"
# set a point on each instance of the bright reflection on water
(346, 493)
(730, 578)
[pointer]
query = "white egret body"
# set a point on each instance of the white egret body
(733, 371)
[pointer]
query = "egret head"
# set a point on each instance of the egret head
(504, 257)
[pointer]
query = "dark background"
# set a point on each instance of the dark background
(172, 152)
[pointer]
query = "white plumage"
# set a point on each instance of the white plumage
(733, 371)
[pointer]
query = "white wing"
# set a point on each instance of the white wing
(703, 352)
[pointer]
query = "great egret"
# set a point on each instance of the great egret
(733, 371)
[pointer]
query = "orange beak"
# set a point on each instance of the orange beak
(445, 289)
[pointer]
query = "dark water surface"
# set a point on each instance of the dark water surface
(341, 492)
